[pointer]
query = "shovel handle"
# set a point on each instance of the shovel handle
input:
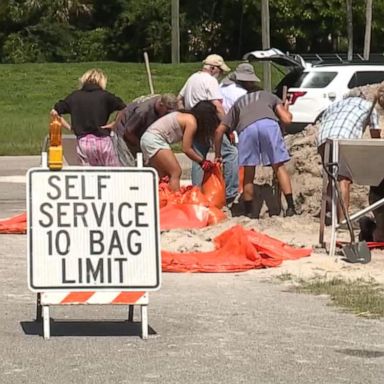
(333, 176)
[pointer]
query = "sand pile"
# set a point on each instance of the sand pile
(305, 166)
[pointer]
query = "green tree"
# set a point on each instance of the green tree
(42, 30)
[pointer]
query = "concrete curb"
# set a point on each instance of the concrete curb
(18, 165)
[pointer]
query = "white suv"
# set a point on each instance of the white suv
(312, 87)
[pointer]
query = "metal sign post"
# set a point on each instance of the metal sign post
(93, 237)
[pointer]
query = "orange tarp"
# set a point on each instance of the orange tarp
(237, 249)
(15, 224)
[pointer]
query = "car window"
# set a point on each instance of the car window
(315, 79)
(288, 80)
(361, 78)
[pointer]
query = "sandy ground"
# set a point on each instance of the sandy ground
(302, 230)
(299, 231)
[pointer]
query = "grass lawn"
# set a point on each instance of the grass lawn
(28, 92)
(364, 298)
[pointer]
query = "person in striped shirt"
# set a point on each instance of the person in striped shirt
(346, 119)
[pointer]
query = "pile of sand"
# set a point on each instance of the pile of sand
(305, 166)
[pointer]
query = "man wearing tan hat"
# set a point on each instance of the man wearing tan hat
(203, 85)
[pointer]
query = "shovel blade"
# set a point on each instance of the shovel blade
(357, 252)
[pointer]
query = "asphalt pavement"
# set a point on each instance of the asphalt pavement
(204, 328)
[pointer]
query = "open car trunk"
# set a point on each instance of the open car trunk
(293, 65)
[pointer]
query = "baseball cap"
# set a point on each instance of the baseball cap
(217, 61)
(245, 72)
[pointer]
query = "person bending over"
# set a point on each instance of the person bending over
(200, 86)
(198, 124)
(135, 118)
(255, 117)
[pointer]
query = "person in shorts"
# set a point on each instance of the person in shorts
(255, 117)
(188, 127)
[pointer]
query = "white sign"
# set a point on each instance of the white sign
(93, 228)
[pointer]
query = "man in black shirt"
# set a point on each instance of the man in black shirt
(90, 108)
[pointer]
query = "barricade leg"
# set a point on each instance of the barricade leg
(131, 309)
(38, 307)
(46, 322)
(144, 321)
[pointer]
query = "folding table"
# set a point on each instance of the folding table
(364, 158)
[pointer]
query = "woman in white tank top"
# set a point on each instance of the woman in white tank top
(183, 126)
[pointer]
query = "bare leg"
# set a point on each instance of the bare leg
(166, 163)
(283, 178)
(285, 185)
(249, 175)
(345, 187)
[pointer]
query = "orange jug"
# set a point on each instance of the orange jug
(55, 132)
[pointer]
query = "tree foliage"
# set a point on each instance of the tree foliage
(90, 30)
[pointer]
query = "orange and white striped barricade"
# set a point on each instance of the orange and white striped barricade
(96, 298)
(93, 237)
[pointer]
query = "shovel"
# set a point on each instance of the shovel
(353, 252)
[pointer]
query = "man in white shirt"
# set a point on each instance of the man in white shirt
(203, 85)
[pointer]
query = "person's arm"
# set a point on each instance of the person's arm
(63, 122)
(283, 113)
(213, 94)
(219, 133)
(373, 125)
(113, 123)
(180, 102)
(60, 108)
(219, 107)
(115, 104)
(190, 128)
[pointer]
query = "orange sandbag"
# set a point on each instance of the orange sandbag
(193, 195)
(165, 194)
(15, 224)
(176, 216)
(213, 186)
(237, 249)
(187, 195)
(215, 215)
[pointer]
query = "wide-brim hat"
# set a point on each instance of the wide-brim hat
(245, 72)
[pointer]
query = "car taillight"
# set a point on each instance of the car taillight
(293, 96)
